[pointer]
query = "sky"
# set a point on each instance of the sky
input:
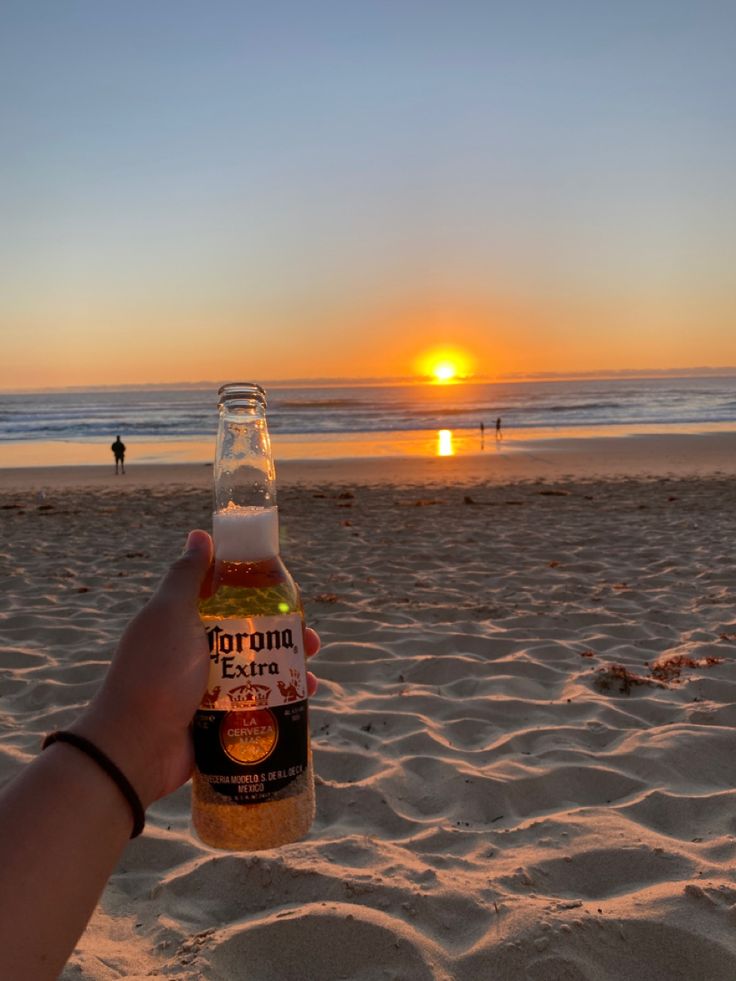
(196, 190)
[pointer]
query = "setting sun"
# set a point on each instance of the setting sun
(444, 371)
(444, 365)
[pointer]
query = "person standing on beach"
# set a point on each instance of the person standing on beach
(118, 449)
(498, 428)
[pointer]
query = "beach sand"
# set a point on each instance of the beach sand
(524, 736)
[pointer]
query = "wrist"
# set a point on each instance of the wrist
(107, 767)
(88, 790)
(123, 747)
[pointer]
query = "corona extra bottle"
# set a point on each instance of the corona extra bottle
(253, 784)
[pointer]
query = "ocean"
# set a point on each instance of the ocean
(342, 413)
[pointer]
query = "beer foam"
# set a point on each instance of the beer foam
(246, 534)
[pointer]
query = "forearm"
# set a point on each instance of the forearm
(63, 826)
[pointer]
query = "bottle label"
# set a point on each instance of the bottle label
(250, 732)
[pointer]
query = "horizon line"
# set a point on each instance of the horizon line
(344, 382)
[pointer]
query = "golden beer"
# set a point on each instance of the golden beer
(253, 784)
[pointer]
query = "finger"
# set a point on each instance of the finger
(311, 642)
(312, 684)
(185, 576)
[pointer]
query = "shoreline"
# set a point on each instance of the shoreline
(502, 462)
(308, 447)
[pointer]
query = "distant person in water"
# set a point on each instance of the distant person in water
(499, 435)
(118, 449)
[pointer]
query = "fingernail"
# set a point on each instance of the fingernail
(195, 541)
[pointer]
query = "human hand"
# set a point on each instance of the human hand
(141, 717)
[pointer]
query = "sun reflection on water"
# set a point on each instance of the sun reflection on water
(444, 443)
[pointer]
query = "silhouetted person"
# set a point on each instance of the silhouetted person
(498, 428)
(118, 449)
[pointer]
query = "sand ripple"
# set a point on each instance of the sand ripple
(505, 788)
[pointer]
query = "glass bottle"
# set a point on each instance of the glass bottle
(253, 783)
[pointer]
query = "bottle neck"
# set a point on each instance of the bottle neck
(244, 472)
(245, 522)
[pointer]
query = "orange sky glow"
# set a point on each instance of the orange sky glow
(261, 196)
(122, 346)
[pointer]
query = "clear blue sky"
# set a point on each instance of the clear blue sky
(550, 185)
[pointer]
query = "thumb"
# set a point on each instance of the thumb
(184, 578)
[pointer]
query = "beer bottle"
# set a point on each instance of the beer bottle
(253, 784)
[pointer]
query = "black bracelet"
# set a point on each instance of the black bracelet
(114, 772)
